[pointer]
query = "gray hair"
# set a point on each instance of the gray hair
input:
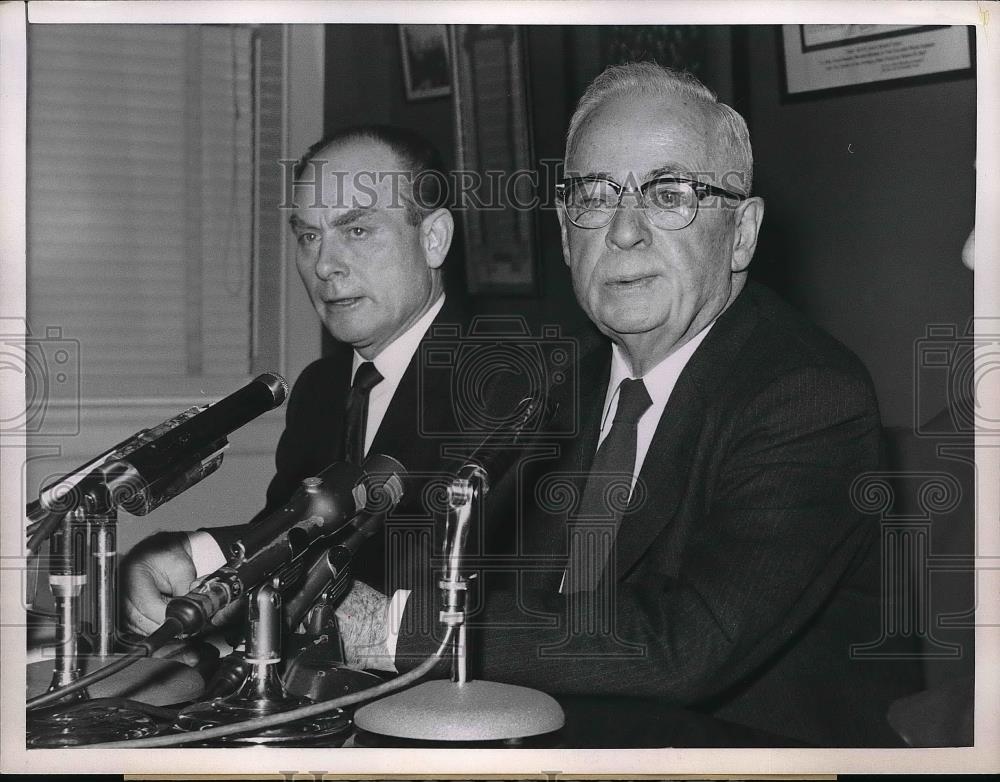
(649, 79)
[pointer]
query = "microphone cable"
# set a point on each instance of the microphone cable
(146, 647)
(303, 712)
(153, 712)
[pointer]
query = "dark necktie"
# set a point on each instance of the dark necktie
(356, 414)
(606, 493)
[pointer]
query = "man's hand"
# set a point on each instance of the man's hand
(361, 617)
(156, 569)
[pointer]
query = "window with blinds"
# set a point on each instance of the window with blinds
(144, 155)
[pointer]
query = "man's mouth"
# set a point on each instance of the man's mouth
(630, 282)
(342, 302)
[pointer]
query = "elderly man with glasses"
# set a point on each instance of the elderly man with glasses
(711, 554)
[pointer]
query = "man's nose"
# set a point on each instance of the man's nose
(330, 262)
(629, 227)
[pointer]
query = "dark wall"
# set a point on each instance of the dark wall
(870, 197)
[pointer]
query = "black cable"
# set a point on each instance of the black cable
(156, 712)
(304, 712)
(146, 647)
(48, 698)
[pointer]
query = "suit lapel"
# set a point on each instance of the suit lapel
(595, 372)
(419, 411)
(580, 406)
(663, 479)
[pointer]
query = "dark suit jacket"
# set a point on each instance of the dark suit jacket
(431, 418)
(739, 580)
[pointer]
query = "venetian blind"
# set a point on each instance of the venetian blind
(141, 196)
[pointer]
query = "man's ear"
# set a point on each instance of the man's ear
(749, 215)
(563, 232)
(436, 232)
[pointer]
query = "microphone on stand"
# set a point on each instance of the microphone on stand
(463, 709)
(343, 496)
(332, 566)
(160, 469)
(315, 665)
(154, 465)
(321, 507)
(138, 474)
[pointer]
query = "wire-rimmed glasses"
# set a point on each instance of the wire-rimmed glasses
(669, 202)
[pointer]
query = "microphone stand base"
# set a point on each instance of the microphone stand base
(443, 710)
(155, 681)
(87, 723)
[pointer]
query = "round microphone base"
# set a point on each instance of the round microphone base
(471, 711)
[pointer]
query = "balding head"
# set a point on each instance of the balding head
(417, 167)
(725, 131)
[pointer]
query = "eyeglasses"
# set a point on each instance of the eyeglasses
(669, 202)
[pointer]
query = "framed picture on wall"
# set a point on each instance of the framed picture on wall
(426, 60)
(824, 58)
(493, 139)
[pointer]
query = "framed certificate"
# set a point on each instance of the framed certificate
(822, 58)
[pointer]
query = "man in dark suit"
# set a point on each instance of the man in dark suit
(720, 437)
(372, 235)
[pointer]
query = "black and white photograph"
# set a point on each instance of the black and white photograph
(439, 390)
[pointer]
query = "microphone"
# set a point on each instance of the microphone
(321, 507)
(143, 479)
(333, 565)
(464, 709)
(321, 504)
(500, 448)
(154, 465)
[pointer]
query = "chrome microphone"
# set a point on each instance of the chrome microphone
(163, 467)
(321, 507)
(332, 566)
(154, 465)
(500, 448)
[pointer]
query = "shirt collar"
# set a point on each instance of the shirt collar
(661, 379)
(395, 357)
